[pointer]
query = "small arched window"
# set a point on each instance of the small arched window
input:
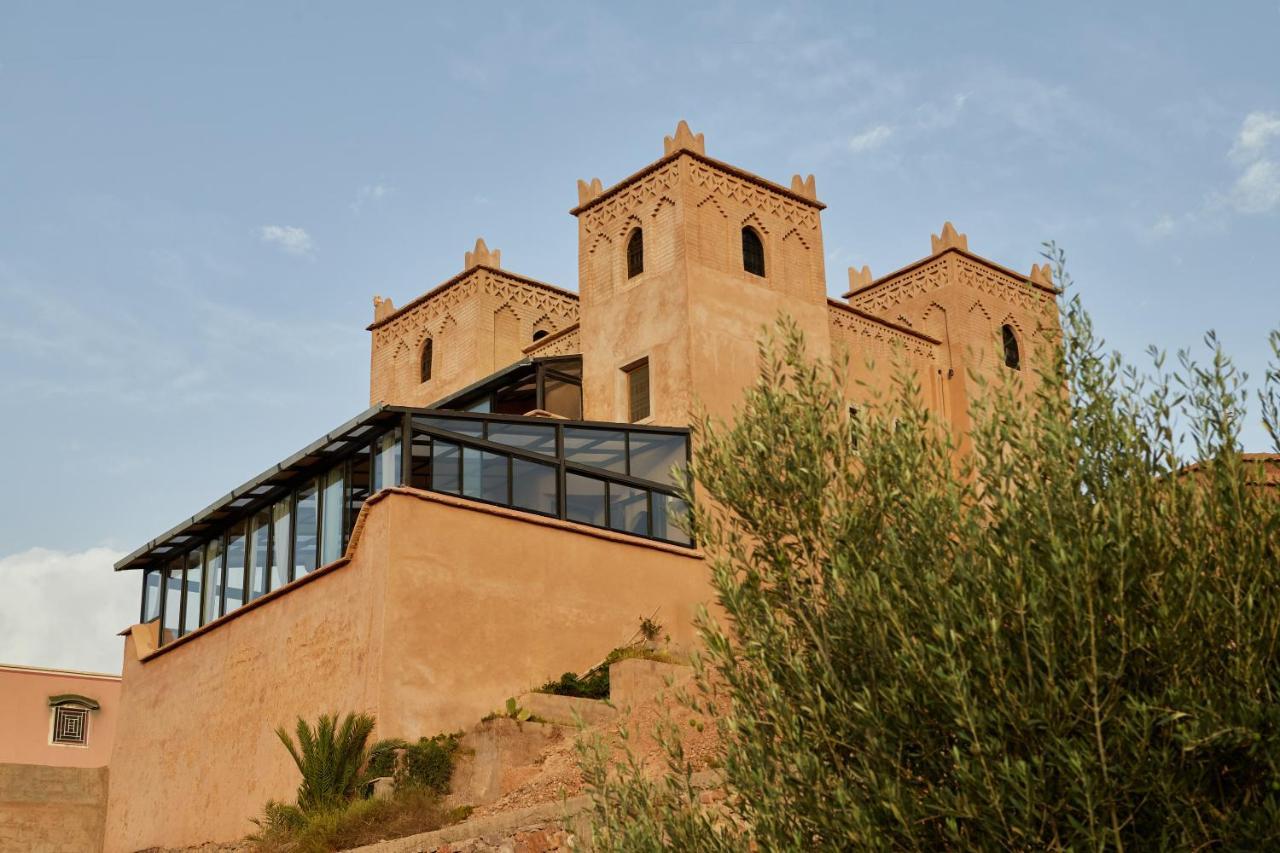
(1012, 357)
(540, 334)
(427, 353)
(635, 253)
(752, 252)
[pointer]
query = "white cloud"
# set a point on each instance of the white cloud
(870, 139)
(1258, 189)
(1163, 227)
(1255, 133)
(370, 193)
(64, 610)
(294, 240)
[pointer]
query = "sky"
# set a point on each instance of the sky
(199, 201)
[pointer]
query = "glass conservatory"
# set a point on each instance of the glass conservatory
(298, 515)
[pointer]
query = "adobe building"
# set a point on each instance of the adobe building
(56, 732)
(506, 507)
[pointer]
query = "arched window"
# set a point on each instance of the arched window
(752, 252)
(635, 253)
(1011, 356)
(427, 348)
(540, 334)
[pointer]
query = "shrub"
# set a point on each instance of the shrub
(330, 757)
(594, 684)
(1062, 639)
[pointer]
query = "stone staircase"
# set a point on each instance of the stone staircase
(502, 754)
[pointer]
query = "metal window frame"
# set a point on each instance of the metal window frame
(362, 437)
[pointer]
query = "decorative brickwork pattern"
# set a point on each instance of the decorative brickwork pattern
(857, 332)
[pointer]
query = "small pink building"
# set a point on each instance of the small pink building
(57, 717)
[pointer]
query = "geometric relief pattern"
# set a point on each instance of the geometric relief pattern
(566, 344)
(604, 217)
(965, 272)
(856, 329)
(407, 331)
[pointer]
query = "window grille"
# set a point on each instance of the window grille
(638, 391)
(71, 725)
(752, 252)
(635, 253)
(1012, 357)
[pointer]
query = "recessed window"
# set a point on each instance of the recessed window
(1012, 358)
(540, 334)
(635, 253)
(638, 391)
(427, 347)
(853, 427)
(752, 252)
(70, 725)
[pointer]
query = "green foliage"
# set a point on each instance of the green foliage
(1062, 639)
(429, 763)
(382, 757)
(331, 758)
(285, 829)
(334, 815)
(594, 684)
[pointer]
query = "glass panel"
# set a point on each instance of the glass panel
(212, 580)
(234, 576)
(629, 509)
(483, 405)
(172, 602)
(151, 596)
(533, 486)
(571, 365)
(259, 558)
(584, 499)
(562, 398)
(359, 492)
(535, 438)
(517, 398)
(386, 461)
(669, 519)
(331, 524)
(461, 426)
(654, 454)
(306, 522)
(445, 458)
(420, 460)
(281, 536)
(191, 593)
(600, 448)
(484, 475)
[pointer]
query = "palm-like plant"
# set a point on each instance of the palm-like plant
(331, 758)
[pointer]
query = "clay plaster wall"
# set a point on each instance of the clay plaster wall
(25, 716)
(51, 809)
(444, 609)
(478, 323)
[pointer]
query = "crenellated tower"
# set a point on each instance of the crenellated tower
(681, 266)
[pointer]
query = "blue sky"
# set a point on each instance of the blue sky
(198, 202)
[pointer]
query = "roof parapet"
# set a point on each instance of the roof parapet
(382, 308)
(684, 140)
(806, 187)
(1042, 275)
(588, 191)
(482, 256)
(859, 278)
(949, 239)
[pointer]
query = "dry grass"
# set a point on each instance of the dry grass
(411, 810)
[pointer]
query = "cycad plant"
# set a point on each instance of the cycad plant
(331, 758)
(1065, 639)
